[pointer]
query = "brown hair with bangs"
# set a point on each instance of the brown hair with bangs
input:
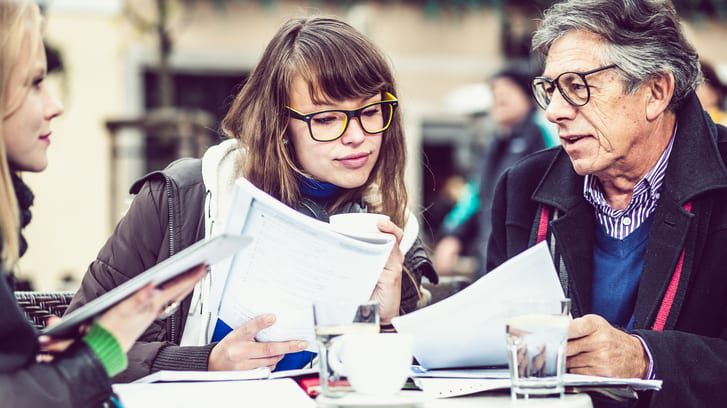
(338, 63)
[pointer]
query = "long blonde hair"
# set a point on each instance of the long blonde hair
(19, 21)
(338, 63)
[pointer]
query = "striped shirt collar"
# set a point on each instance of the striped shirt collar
(620, 223)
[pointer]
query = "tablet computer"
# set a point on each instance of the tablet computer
(203, 252)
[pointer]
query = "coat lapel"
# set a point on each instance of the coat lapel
(667, 239)
(575, 236)
(574, 230)
(695, 167)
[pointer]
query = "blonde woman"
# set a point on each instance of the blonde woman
(316, 126)
(78, 373)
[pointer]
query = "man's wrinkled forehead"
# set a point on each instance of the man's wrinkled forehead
(576, 51)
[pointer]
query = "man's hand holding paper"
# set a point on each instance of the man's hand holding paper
(597, 348)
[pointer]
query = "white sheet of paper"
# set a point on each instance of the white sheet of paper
(255, 393)
(468, 383)
(468, 328)
(293, 261)
(490, 373)
(194, 376)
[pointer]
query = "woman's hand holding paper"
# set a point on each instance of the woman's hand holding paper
(239, 350)
(388, 288)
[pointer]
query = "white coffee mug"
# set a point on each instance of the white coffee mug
(357, 223)
(375, 364)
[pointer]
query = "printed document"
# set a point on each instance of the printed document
(468, 328)
(293, 261)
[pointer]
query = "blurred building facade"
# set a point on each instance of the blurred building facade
(109, 76)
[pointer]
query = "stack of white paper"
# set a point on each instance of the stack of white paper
(453, 383)
(292, 262)
(196, 376)
(468, 328)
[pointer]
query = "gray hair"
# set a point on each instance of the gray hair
(642, 37)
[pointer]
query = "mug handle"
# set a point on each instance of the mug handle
(334, 355)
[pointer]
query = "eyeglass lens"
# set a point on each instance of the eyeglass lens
(374, 118)
(573, 88)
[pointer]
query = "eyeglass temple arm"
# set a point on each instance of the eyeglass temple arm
(295, 114)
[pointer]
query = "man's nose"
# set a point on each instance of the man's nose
(559, 109)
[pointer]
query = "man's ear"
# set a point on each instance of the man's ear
(660, 91)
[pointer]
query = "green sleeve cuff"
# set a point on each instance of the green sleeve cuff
(107, 349)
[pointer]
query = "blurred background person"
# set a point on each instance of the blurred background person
(711, 94)
(517, 134)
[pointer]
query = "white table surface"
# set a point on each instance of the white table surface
(286, 393)
(479, 400)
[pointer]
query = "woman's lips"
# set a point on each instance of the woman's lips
(354, 161)
(45, 137)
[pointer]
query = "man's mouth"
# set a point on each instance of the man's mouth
(572, 139)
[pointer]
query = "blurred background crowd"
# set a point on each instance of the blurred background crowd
(146, 81)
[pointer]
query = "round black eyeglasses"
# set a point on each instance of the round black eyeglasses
(571, 85)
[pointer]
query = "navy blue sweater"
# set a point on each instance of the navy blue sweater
(617, 268)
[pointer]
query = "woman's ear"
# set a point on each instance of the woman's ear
(659, 93)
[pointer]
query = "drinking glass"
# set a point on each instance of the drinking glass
(332, 320)
(537, 335)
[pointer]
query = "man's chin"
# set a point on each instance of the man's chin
(582, 167)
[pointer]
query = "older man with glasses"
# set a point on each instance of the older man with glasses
(632, 205)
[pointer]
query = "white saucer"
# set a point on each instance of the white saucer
(402, 399)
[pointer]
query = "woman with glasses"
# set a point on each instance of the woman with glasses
(40, 371)
(316, 126)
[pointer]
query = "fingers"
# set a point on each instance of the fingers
(389, 227)
(140, 302)
(51, 345)
(52, 320)
(246, 355)
(584, 326)
(179, 287)
(250, 329)
(582, 360)
(276, 349)
(575, 347)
